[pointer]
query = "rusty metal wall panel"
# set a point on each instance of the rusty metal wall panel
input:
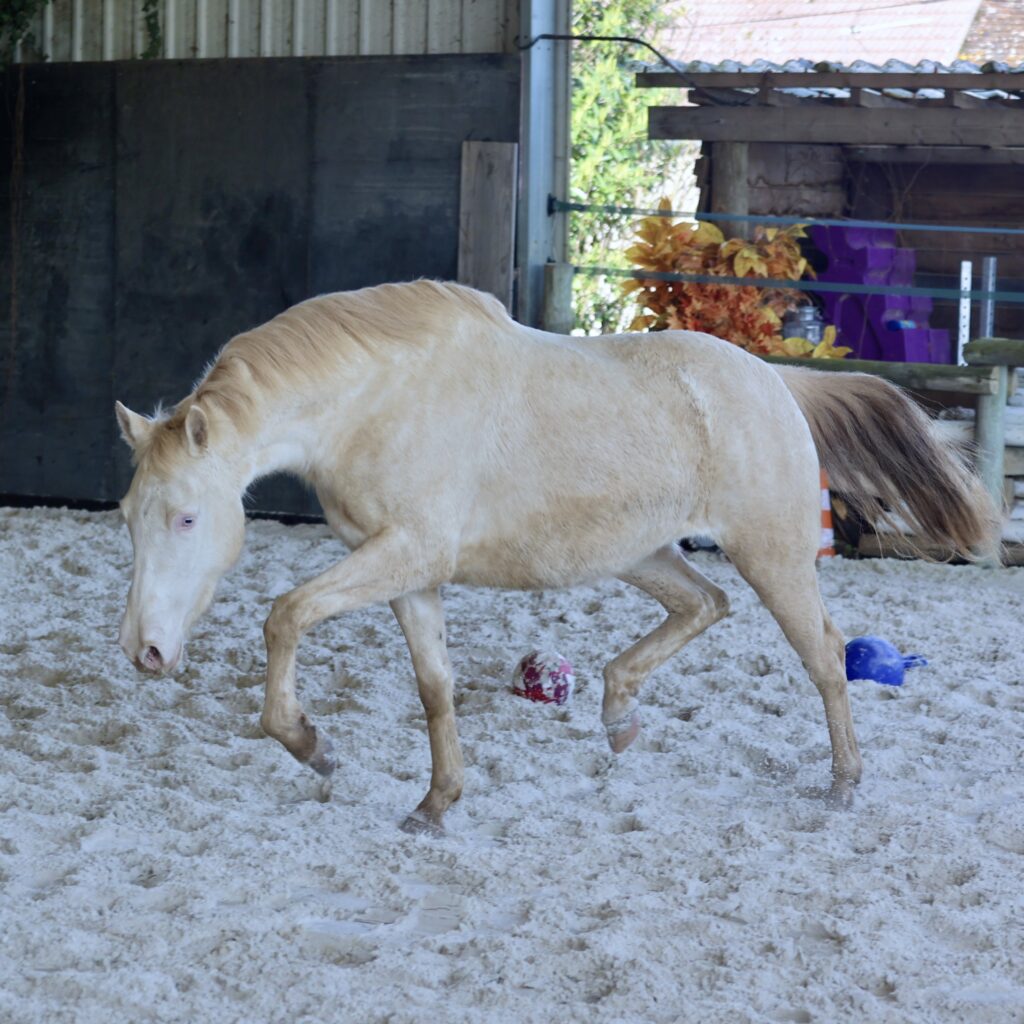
(90, 30)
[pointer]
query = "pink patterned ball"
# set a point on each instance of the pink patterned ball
(544, 676)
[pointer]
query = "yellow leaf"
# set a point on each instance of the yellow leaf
(827, 348)
(705, 233)
(748, 262)
(664, 203)
(797, 346)
(641, 323)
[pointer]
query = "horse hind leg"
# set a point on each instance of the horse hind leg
(789, 589)
(693, 603)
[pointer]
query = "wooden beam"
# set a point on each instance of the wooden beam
(995, 352)
(558, 315)
(730, 192)
(860, 97)
(873, 545)
(964, 430)
(969, 380)
(487, 217)
(909, 125)
(1008, 81)
(933, 155)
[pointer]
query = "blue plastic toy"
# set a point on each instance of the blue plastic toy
(871, 657)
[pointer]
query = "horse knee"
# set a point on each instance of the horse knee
(719, 604)
(281, 627)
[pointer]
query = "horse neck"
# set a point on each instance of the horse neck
(287, 434)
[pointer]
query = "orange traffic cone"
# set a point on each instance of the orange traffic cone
(828, 538)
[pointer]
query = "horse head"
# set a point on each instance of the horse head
(184, 513)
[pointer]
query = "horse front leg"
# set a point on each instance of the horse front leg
(380, 570)
(421, 616)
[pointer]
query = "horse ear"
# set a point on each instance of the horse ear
(135, 429)
(197, 430)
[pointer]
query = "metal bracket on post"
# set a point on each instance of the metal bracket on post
(964, 332)
(987, 309)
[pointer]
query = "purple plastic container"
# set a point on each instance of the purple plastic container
(870, 256)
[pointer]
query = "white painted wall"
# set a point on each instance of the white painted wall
(80, 30)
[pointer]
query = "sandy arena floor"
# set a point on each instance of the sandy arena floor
(161, 861)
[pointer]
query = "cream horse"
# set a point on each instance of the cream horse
(448, 443)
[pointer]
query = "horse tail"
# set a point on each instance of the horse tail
(883, 455)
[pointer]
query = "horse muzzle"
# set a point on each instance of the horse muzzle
(155, 659)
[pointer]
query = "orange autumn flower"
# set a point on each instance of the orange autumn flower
(749, 317)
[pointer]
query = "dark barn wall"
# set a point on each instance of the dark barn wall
(169, 205)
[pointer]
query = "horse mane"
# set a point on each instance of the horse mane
(325, 335)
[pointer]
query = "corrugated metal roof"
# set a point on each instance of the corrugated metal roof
(923, 67)
(838, 30)
(814, 91)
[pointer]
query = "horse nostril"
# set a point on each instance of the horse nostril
(152, 658)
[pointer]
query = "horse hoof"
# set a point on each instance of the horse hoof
(419, 824)
(624, 730)
(321, 762)
(840, 795)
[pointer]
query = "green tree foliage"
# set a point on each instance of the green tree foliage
(613, 163)
(16, 18)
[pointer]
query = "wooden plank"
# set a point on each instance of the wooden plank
(970, 380)
(1013, 461)
(1009, 81)
(995, 352)
(487, 216)
(963, 430)
(990, 439)
(873, 545)
(842, 125)
(730, 167)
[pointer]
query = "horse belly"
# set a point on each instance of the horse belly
(573, 545)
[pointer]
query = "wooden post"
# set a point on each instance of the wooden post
(558, 316)
(990, 437)
(487, 217)
(730, 167)
(1002, 355)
